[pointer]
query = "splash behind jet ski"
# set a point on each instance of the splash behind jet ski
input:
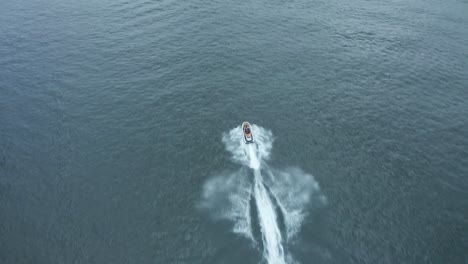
(247, 130)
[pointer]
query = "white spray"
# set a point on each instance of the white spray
(291, 188)
(271, 235)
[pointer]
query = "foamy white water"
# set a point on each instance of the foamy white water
(271, 235)
(286, 191)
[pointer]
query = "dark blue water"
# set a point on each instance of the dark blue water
(112, 115)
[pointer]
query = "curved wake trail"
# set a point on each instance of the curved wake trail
(280, 198)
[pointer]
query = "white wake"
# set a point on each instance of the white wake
(271, 235)
(286, 191)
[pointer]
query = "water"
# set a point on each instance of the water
(115, 116)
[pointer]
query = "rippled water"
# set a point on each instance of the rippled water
(112, 115)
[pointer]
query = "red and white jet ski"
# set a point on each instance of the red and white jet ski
(247, 130)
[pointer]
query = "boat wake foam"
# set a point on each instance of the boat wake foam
(265, 205)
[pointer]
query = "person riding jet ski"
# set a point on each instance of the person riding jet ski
(248, 138)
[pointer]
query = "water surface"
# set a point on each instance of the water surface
(112, 115)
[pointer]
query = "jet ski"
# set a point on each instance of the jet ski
(247, 130)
